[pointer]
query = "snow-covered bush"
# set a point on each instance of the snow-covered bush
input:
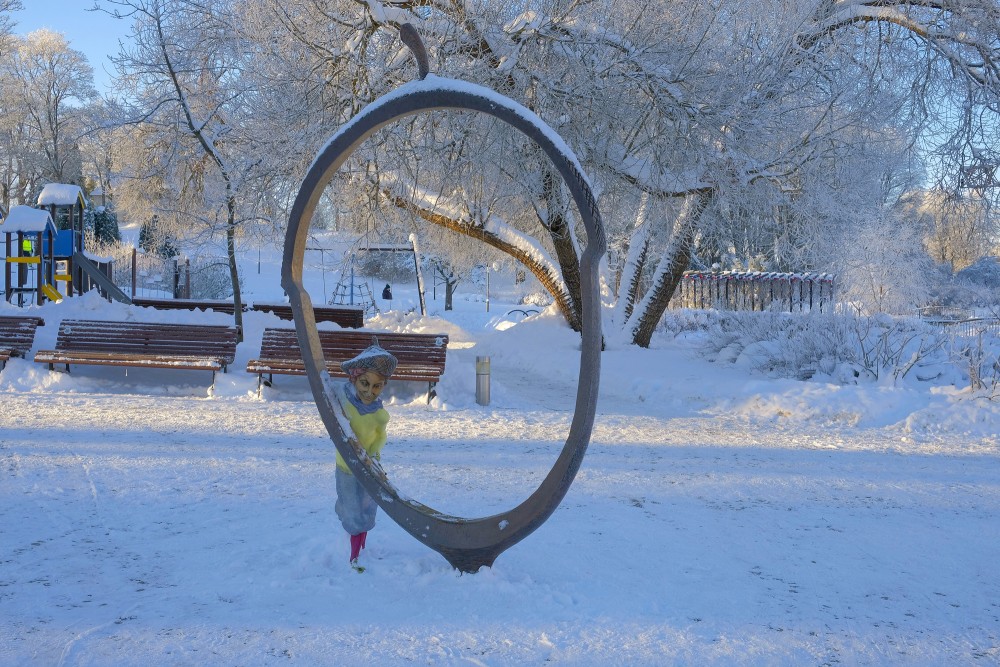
(393, 267)
(833, 348)
(782, 344)
(978, 286)
(542, 299)
(210, 278)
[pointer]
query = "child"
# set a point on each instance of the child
(367, 375)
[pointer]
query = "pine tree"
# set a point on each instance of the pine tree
(146, 234)
(105, 223)
(154, 242)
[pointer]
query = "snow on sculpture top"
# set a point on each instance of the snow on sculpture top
(26, 219)
(61, 194)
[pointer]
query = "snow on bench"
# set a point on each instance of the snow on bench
(219, 306)
(351, 317)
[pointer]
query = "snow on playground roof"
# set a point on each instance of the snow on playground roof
(26, 219)
(61, 194)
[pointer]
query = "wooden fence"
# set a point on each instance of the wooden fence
(755, 290)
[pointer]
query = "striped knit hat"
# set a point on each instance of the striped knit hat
(374, 358)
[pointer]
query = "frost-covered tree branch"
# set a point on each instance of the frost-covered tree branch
(778, 125)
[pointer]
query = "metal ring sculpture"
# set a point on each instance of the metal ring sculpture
(467, 544)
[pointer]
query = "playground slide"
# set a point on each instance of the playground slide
(105, 283)
(51, 293)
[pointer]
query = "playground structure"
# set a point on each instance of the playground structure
(352, 292)
(29, 268)
(45, 249)
(66, 204)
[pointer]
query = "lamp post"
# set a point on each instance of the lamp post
(495, 266)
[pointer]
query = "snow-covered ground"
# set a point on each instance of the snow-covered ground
(719, 518)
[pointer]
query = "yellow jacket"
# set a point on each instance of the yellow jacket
(368, 429)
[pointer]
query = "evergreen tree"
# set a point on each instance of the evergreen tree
(106, 226)
(146, 234)
(104, 223)
(154, 242)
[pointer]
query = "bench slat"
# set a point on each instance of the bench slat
(134, 360)
(276, 367)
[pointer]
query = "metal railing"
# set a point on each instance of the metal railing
(969, 327)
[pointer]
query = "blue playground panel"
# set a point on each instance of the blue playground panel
(64, 244)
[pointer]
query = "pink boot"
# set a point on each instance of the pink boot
(357, 541)
(363, 536)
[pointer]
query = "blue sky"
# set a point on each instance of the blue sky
(94, 33)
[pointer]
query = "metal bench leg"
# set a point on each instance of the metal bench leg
(261, 383)
(431, 392)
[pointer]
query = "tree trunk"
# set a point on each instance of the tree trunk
(234, 272)
(675, 261)
(208, 145)
(449, 293)
(636, 256)
(561, 233)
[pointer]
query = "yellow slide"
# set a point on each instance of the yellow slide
(51, 292)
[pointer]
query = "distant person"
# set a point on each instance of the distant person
(367, 375)
(387, 292)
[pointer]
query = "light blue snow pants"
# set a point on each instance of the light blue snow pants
(355, 507)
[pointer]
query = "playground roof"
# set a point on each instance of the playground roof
(27, 219)
(62, 194)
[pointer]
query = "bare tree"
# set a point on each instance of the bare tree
(187, 99)
(741, 125)
(20, 156)
(7, 23)
(884, 268)
(957, 231)
(46, 79)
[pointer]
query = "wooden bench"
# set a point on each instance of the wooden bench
(17, 335)
(349, 317)
(143, 344)
(421, 356)
(187, 304)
